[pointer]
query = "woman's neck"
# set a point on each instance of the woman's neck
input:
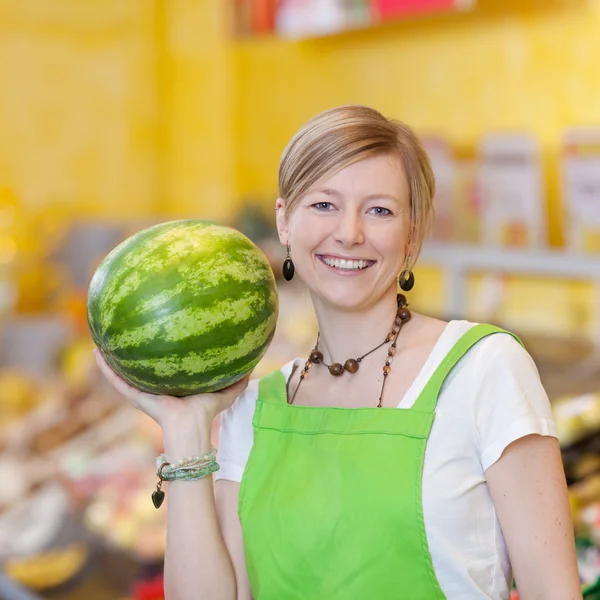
(348, 334)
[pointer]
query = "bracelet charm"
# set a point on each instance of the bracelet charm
(158, 496)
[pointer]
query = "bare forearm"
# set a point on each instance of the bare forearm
(197, 564)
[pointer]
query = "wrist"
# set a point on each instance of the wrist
(195, 419)
(186, 438)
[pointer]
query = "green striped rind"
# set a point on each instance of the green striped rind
(183, 307)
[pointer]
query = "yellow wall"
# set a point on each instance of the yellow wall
(77, 108)
(198, 92)
(117, 109)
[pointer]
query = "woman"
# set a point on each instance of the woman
(407, 457)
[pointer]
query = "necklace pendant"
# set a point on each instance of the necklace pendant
(336, 369)
(351, 365)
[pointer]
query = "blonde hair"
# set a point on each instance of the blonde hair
(339, 137)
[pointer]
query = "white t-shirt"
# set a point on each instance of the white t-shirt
(491, 398)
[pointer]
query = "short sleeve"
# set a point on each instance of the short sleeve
(236, 435)
(511, 402)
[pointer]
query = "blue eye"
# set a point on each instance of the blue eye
(323, 206)
(382, 212)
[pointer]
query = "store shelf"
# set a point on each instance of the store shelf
(458, 261)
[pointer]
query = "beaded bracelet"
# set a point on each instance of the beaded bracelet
(189, 462)
(193, 474)
(191, 469)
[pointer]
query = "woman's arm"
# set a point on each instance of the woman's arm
(197, 561)
(528, 488)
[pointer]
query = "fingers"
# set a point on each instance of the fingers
(120, 385)
(237, 388)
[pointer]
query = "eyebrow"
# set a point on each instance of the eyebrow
(375, 196)
(381, 197)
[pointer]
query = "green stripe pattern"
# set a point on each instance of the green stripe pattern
(184, 307)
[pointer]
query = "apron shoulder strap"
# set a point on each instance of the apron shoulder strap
(427, 399)
(272, 388)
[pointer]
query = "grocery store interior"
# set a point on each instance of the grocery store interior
(118, 115)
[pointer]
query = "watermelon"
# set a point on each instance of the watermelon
(184, 307)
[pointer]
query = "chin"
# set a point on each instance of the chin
(344, 299)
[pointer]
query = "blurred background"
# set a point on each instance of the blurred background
(116, 115)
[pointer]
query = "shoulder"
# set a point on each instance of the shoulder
(493, 395)
(497, 351)
(495, 373)
(501, 354)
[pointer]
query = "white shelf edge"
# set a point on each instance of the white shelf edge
(547, 263)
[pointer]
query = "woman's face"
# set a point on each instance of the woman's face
(348, 235)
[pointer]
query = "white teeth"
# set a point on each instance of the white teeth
(342, 263)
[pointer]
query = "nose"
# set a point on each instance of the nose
(349, 231)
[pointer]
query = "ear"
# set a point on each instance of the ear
(282, 222)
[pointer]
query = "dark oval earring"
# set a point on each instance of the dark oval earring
(406, 280)
(288, 268)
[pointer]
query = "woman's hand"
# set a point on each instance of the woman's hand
(169, 410)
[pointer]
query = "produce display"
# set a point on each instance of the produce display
(184, 307)
(47, 569)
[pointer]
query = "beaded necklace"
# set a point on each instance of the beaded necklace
(352, 365)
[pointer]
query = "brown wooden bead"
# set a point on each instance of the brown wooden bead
(404, 315)
(316, 357)
(401, 299)
(351, 365)
(336, 369)
(386, 370)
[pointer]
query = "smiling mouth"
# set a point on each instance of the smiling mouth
(346, 264)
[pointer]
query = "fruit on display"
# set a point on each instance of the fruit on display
(183, 307)
(17, 394)
(76, 363)
(47, 569)
(576, 416)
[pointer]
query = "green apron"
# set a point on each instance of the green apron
(330, 501)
